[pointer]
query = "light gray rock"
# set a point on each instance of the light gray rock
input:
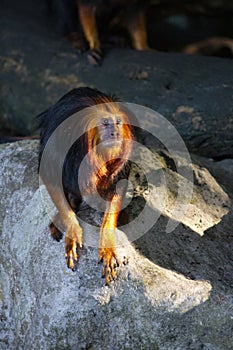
(175, 292)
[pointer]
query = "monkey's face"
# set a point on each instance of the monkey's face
(110, 130)
(110, 135)
(109, 139)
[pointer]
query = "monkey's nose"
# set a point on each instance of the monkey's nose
(114, 133)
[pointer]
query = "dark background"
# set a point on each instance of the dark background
(33, 32)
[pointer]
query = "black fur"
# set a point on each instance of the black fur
(74, 101)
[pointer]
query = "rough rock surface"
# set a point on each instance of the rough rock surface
(175, 292)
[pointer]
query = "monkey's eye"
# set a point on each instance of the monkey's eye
(118, 121)
(105, 122)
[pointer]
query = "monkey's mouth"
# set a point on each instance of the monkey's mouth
(110, 148)
(109, 143)
(113, 143)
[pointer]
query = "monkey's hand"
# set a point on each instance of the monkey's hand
(95, 57)
(73, 242)
(110, 261)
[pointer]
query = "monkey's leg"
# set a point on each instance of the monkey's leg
(107, 244)
(56, 228)
(136, 25)
(73, 237)
(88, 21)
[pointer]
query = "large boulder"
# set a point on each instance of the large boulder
(174, 293)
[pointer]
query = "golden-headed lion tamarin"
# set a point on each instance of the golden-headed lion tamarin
(105, 140)
(131, 15)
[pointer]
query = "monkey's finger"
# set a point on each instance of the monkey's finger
(109, 274)
(71, 262)
(94, 57)
(116, 260)
(71, 255)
